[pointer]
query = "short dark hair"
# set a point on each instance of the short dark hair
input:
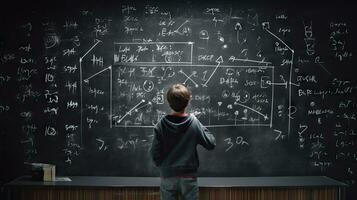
(178, 97)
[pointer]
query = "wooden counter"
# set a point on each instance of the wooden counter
(147, 188)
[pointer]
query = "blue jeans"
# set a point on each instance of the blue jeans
(174, 187)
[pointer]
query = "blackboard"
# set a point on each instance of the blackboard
(82, 85)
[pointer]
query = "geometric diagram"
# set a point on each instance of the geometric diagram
(221, 96)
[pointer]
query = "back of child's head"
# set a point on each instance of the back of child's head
(178, 97)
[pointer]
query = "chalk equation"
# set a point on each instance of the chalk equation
(153, 52)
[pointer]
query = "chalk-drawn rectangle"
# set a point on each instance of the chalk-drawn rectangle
(153, 52)
(232, 97)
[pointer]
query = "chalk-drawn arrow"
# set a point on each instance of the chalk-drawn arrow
(129, 112)
(232, 59)
(87, 79)
(136, 110)
(294, 84)
(177, 30)
(265, 116)
(218, 61)
(96, 43)
(267, 30)
(280, 84)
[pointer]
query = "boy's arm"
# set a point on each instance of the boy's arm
(155, 150)
(205, 138)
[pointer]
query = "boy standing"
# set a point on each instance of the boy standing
(174, 147)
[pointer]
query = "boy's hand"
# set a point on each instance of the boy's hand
(196, 113)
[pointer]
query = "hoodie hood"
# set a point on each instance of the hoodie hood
(174, 127)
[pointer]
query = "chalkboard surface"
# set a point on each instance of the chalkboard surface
(82, 85)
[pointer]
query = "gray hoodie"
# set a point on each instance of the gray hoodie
(174, 145)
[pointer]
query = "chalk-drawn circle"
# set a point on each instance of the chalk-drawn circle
(221, 39)
(312, 104)
(148, 86)
(203, 35)
(225, 94)
(244, 96)
(168, 58)
(50, 41)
